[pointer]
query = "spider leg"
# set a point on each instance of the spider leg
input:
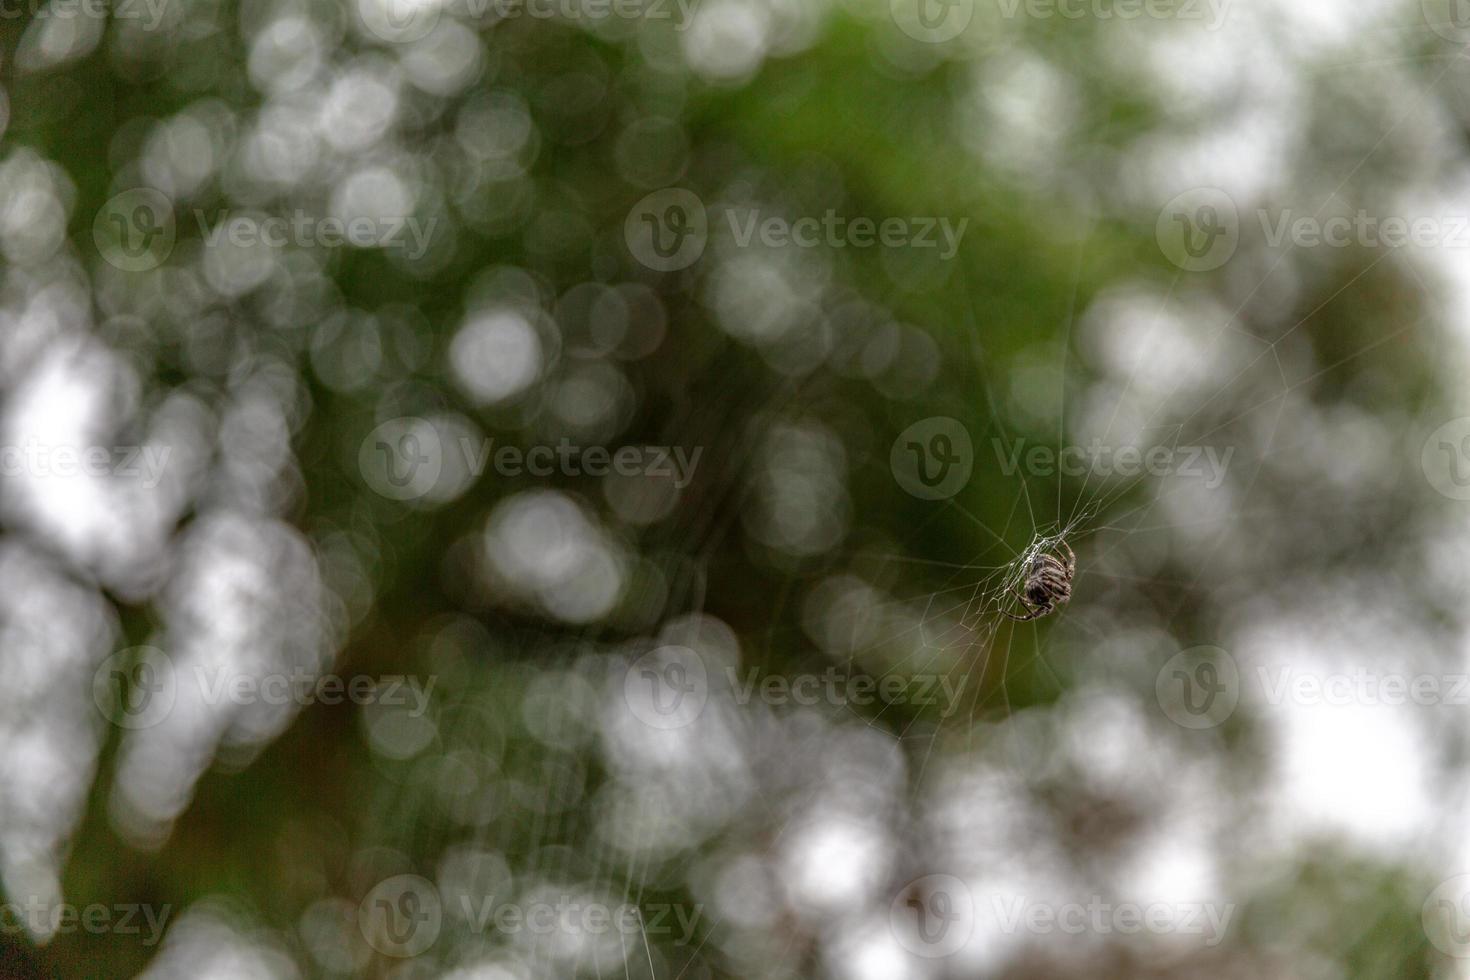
(1031, 614)
(1071, 556)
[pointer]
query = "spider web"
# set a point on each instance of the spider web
(962, 622)
(955, 626)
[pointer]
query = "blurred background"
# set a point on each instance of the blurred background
(516, 489)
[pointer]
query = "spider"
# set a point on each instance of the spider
(1048, 583)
